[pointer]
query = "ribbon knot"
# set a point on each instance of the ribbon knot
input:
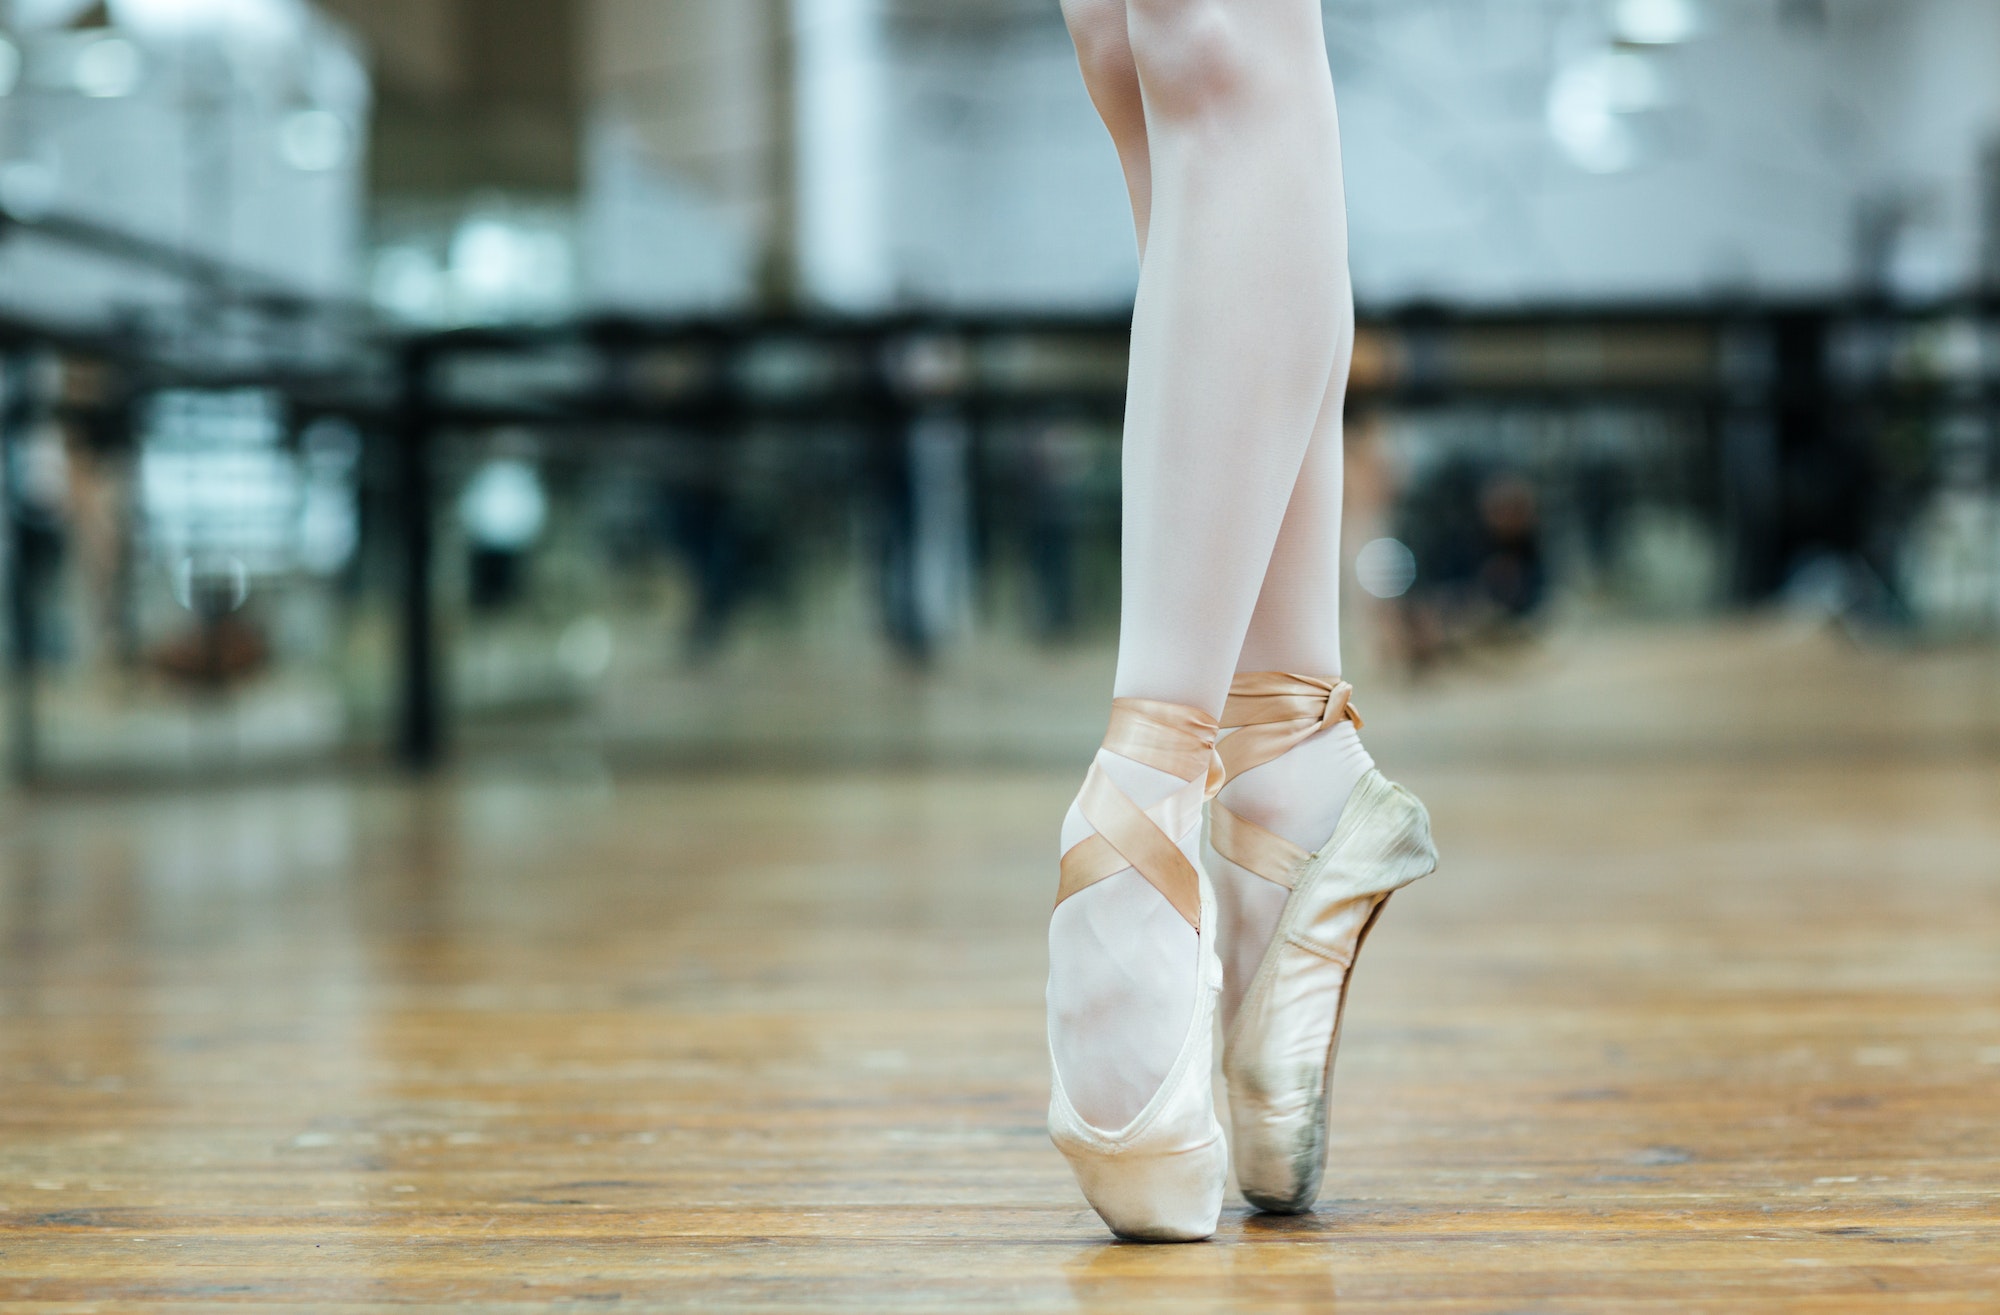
(1270, 711)
(1339, 707)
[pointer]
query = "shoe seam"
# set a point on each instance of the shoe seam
(1343, 959)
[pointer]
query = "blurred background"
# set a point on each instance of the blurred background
(594, 384)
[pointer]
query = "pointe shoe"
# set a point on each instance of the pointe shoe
(1278, 1056)
(1160, 1177)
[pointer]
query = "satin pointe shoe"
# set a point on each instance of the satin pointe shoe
(1159, 1178)
(1278, 1056)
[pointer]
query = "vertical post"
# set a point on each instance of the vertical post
(1987, 316)
(935, 376)
(888, 417)
(17, 416)
(419, 731)
(1751, 463)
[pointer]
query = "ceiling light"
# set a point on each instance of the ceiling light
(313, 141)
(1585, 115)
(1655, 22)
(266, 19)
(107, 67)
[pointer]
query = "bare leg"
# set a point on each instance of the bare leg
(1239, 324)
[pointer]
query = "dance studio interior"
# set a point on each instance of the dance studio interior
(561, 565)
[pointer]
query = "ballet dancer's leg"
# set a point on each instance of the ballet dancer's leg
(1295, 628)
(1104, 54)
(1238, 325)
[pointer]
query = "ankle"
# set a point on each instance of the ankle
(1301, 794)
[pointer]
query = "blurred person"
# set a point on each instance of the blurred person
(1058, 462)
(1511, 575)
(1481, 577)
(100, 520)
(706, 528)
(1222, 113)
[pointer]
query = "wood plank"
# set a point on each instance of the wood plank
(1665, 1034)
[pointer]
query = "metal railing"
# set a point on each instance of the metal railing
(1776, 387)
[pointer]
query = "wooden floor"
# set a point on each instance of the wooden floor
(1670, 1031)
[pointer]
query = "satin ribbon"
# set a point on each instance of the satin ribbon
(1172, 738)
(1268, 713)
